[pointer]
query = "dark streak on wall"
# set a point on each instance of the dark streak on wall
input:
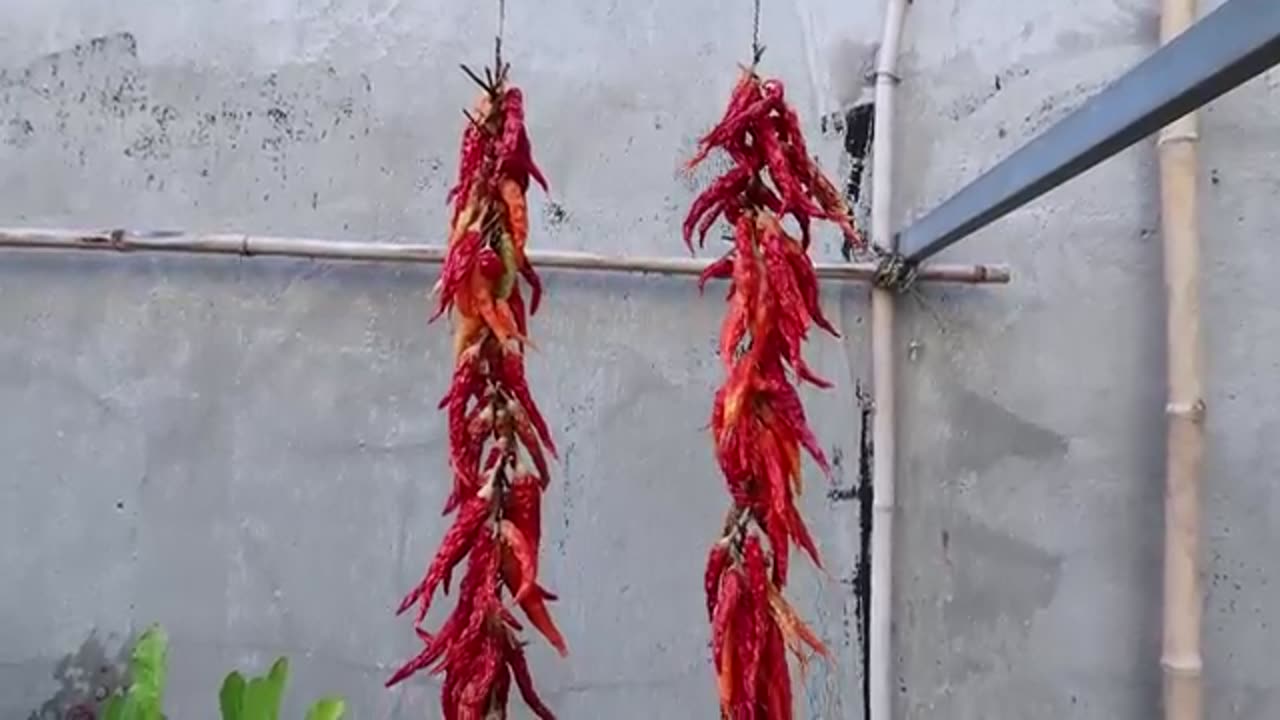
(862, 572)
(857, 143)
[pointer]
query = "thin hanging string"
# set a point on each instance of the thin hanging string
(497, 39)
(757, 50)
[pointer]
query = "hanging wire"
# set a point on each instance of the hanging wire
(497, 40)
(757, 50)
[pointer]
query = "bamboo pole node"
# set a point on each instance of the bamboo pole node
(1195, 411)
(1186, 664)
(1184, 136)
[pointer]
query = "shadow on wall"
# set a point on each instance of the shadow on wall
(86, 678)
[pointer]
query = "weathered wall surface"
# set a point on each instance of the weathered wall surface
(247, 450)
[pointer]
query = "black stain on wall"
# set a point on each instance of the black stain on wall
(862, 572)
(858, 128)
(86, 678)
(864, 492)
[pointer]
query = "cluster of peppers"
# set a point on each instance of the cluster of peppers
(498, 440)
(758, 422)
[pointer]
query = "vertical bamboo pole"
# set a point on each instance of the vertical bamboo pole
(884, 424)
(1181, 662)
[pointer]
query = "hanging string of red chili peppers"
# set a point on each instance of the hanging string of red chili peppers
(758, 422)
(496, 496)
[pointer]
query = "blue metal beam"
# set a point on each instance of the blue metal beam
(1231, 45)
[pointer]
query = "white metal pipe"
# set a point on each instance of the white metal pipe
(883, 429)
(313, 248)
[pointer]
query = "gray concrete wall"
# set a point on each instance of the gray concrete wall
(247, 450)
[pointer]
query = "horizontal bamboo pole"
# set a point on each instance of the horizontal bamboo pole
(254, 245)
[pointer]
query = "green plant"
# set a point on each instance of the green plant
(259, 698)
(143, 699)
(239, 699)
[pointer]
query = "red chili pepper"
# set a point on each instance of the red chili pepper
(513, 122)
(529, 439)
(757, 421)
(501, 691)
(726, 604)
(807, 283)
(792, 133)
(515, 157)
(474, 146)
(516, 300)
(449, 692)
(512, 374)
(436, 646)
(794, 198)
(729, 184)
(733, 127)
(476, 694)
(745, 91)
(754, 618)
(779, 544)
(523, 507)
(457, 267)
(709, 219)
(837, 210)
(800, 532)
(490, 264)
(790, 308)
(453, 548)
(515, 541)
(488, 405)
(785, 401)
(535, 286)
(778, 702)
(718, 270)
(535, 609)
(525, 153)
(524, 681)
(717, 562)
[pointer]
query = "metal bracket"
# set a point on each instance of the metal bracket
(1231, 45)
(895, 272)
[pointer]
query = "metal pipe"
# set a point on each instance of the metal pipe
(1239, 40)
(883, 427)
(258, 245)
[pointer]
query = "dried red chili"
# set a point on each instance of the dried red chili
(493, 424)
(758, 422)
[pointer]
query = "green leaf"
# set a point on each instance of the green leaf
(256, 702)
(330, 708)
(263, 695)
(147, 667)
(150, 655)
(277, 677)
(114, 709)
(231, 696)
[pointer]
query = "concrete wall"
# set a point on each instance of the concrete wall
(247, 450)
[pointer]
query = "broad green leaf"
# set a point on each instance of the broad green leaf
(330, 708)
(231, 696)
(277, 678)
(263, 695)
(150, 656)
(257, 700)
(147, 667)
(114, 709)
